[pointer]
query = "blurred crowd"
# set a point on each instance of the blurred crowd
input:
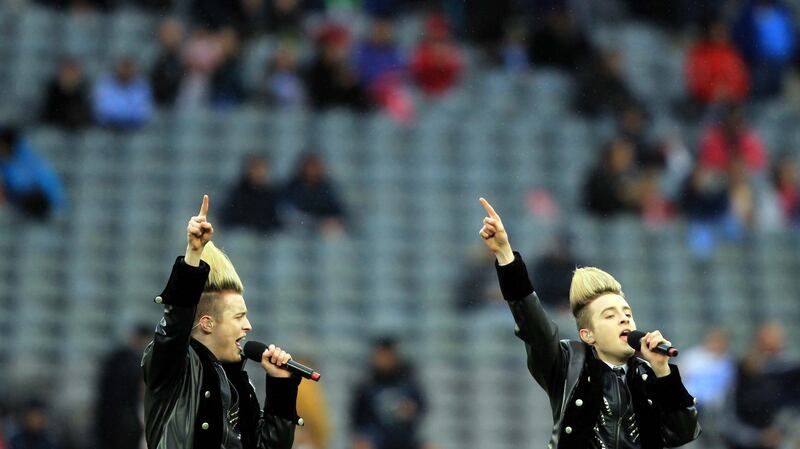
(726, 183)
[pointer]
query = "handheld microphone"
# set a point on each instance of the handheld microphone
(635, 342)
(253, 350)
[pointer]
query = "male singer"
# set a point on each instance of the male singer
(601, 395)
(197, 393)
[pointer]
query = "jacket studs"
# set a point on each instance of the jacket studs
(568, 430)
(207, 394)
(644, 376)
(579, 402)
(204, 426)
(158, 300)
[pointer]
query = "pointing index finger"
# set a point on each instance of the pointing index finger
(489, 208)
(204, 207)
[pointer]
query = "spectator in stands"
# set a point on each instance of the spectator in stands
(285, 17)
(436, 63)
(707, 371)
(218, 14)
(310, 194)
(611, 188)
(27, 182)
(202, 55)
(387, 409)
(383, 70)
(633, 126)
(33, 431)
(732, 140)
(123, 100)
(331, 80)
(765, 384)
(253, 202)
(765, 33)
(119, 394)
(558, 42)
(715, 71)
(706, 203)
(485, 23)
(677, 15)
(313, 407)
(784, 184)
(227, 86)
(168, 71)
(603, 89)
(553, 273)
(378, 57)
(514, 55)
(66, 103)
(283, 86)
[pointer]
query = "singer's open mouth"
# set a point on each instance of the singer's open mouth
(624, 335)
(239, 341)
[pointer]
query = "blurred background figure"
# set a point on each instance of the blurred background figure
(312, 406)
(118, 413)
(331, 79)
(123, 99)
(764, 389)
(227, 86)
(707, 371)
(611, 188)
(715, 71)
(283, 84)
(34, 428)
(311, 196)
(66, 102)
(168, 71)
(253, 202)
(436, 64)
(388, 406)
(28, 183)
(766, 33)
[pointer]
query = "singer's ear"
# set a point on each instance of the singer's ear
(587, 336)
(206, 323)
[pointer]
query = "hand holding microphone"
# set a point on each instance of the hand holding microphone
(255, 350)
(664, 347)
(655, 350)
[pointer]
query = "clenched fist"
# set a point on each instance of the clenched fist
(494, 235)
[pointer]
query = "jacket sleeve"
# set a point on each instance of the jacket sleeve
(546, 358)
(276, 426)
(166, 357)
(676, 409)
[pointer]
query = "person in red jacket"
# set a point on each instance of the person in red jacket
(732, 141)
(714, 69)
(436, 64)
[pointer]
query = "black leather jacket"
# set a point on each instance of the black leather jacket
(186, 387)
(572, 376)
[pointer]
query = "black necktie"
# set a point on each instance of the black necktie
(623, 389)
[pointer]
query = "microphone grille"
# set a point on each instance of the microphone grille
(635, 339)
(253, 350)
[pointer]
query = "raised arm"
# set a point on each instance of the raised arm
(165, 358)
(534, 327)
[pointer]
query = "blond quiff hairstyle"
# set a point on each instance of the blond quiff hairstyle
(589, 283)
(221, 278)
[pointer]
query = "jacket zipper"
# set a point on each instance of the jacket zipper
(619, 417)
